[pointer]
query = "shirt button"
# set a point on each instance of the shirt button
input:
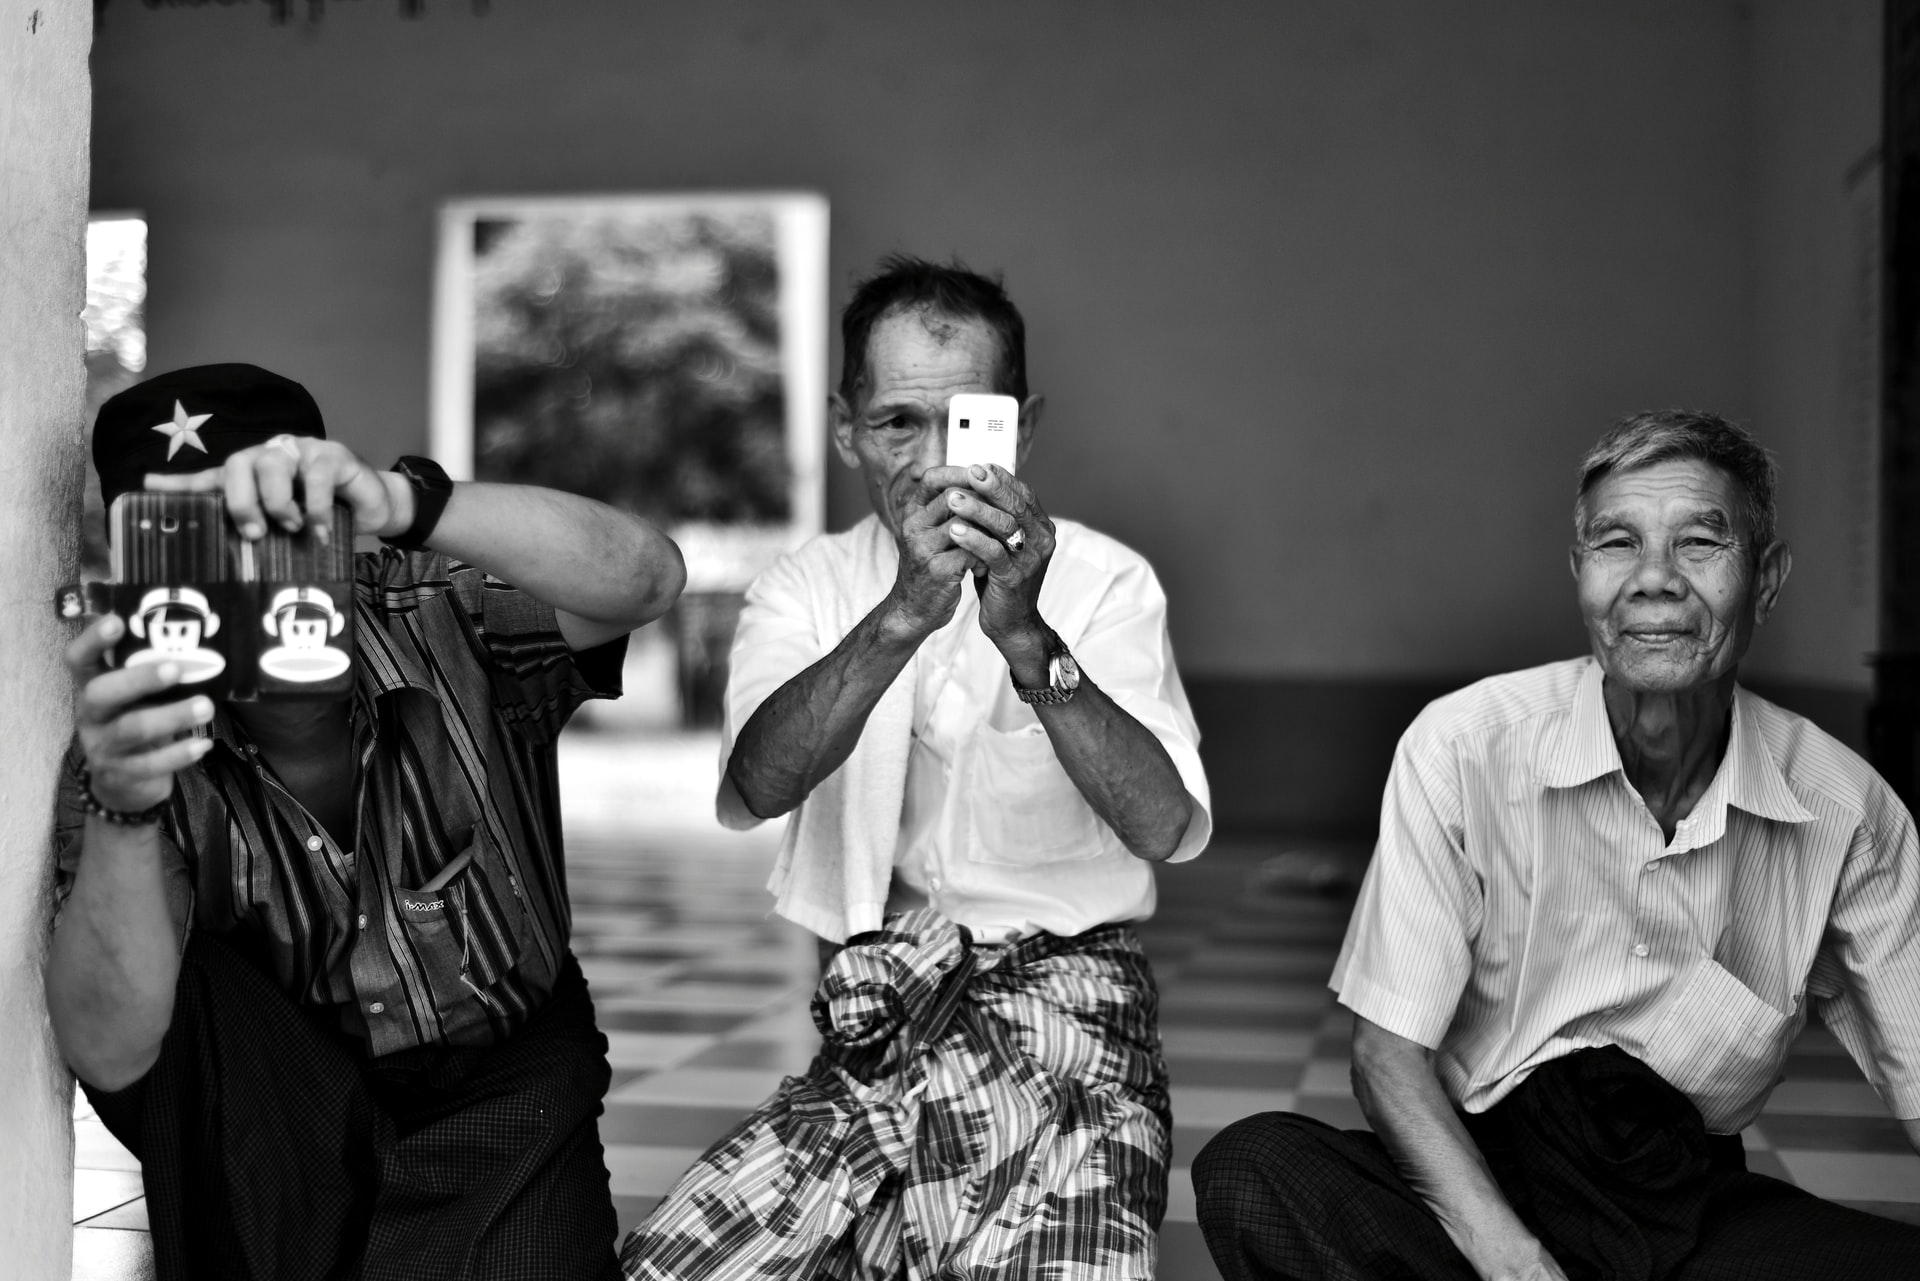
(314, 843)
(378, 1007)
(363, 920)
(1653, 865)
(1640, 949)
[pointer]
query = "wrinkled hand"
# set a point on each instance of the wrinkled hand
(988, 504)
(926, 587)
(259, 484)
(132, 753)
(1532, 1263)
(1545, 1270)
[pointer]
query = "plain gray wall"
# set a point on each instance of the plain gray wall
(1814, 324)
(1326, 298)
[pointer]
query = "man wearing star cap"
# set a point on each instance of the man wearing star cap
(311, 961)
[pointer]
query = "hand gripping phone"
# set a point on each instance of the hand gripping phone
(242, 620)
(983, 430)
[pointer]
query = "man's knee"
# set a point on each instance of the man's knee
(1255, 1153)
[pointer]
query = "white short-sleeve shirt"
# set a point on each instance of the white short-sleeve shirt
(993, 832)
(1523, 902)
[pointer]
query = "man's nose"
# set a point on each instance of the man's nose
(931, 451)
(1658, 572)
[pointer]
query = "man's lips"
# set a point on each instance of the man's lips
(1656, 634)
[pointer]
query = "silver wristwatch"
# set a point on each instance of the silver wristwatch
(1063, 678)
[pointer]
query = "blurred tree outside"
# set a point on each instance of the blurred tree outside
(116, 329)
(633, 356)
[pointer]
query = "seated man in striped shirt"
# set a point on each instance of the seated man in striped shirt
(1605, 895)
(311, 962)
(992, 1100)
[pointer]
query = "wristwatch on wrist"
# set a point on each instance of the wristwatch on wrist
(1063, 677)
(431, 489)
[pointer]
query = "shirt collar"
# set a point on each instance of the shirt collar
(1584, 748)
(1754, 781)
(380, 666)
(1748, 779)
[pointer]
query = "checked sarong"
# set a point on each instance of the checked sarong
(987, 1112)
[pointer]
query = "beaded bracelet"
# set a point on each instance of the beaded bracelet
(122, 818)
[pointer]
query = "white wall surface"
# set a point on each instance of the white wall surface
(1326, 298)
(44, 112)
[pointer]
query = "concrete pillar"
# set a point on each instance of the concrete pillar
(45, 113)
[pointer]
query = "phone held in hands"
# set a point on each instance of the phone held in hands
(241, 620)
(984, 430)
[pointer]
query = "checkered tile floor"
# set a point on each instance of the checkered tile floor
(703, 999)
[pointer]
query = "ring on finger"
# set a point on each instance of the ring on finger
(286, 441)
(1016, 540)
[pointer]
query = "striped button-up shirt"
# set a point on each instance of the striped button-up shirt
(446, 920)
(1524, 903)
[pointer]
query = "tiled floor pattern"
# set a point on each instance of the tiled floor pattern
(703, 1000)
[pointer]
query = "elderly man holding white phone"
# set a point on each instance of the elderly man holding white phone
(978, 781)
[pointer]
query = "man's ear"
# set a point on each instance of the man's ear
(1030, 411)
(1573, 560)
(840, 422)
(1769, 576)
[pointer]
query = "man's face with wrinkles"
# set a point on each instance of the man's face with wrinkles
(1670, 585)
(896, 428)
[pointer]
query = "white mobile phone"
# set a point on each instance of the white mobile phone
(984, 430)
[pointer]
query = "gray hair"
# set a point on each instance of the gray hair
(1665, 435)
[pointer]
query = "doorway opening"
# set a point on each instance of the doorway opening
(665, 353)
(115, 321)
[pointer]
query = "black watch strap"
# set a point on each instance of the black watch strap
(431, 489)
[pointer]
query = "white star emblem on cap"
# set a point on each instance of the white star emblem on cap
(182, 430)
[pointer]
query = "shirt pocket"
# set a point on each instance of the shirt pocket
(1720, 1045)
(468, 924)
(1022, 809)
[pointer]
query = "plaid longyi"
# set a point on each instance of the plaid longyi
(1022, 1135)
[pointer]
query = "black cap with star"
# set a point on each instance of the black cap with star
(192, 419)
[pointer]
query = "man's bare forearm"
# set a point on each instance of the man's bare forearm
(1121, 769)
(609, 570)
(115, 957)
(806, 729)
(1394, 1081)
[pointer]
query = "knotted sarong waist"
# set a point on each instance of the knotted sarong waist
(1002, 1107)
